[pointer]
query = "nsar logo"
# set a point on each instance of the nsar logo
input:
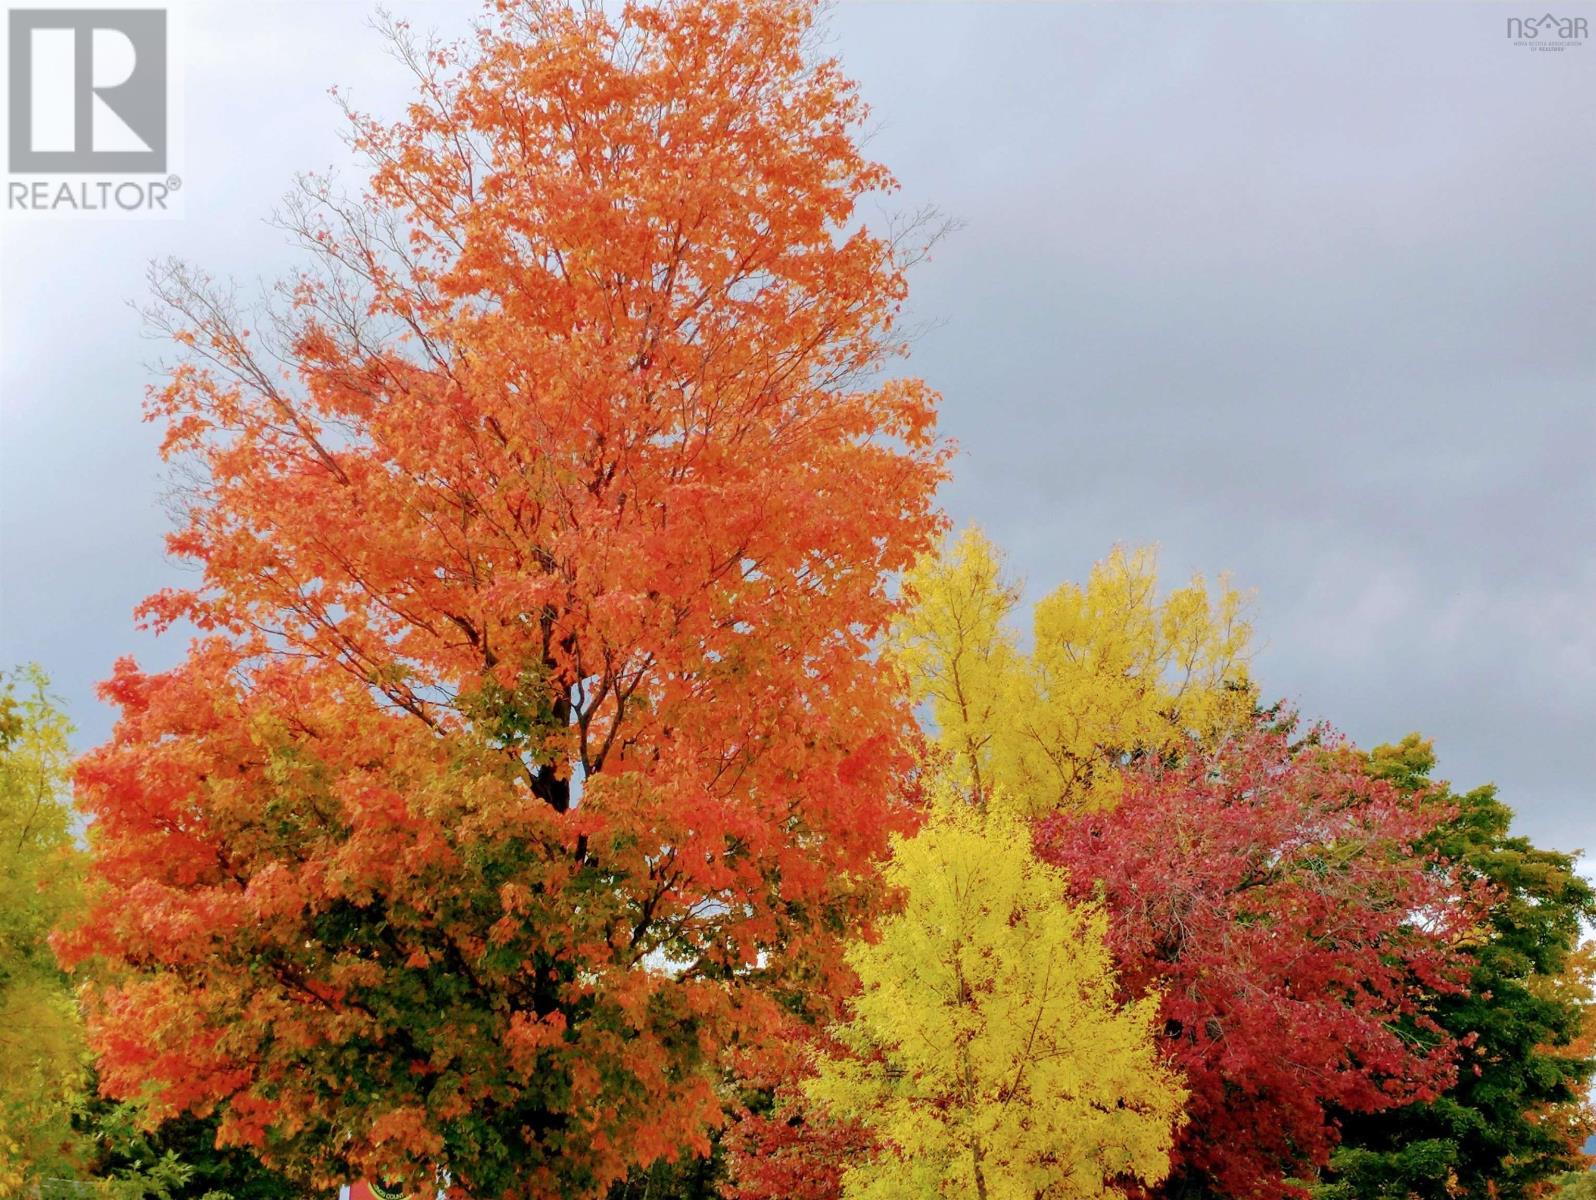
(1547, 32)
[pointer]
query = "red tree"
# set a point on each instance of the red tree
(1270, 892)
(533, 737)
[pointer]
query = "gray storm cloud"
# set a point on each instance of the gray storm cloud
(1302, 292)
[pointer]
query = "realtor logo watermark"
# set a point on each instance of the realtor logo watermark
(1548, 32)
(88, 112)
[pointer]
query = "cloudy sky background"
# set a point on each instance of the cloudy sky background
(1303, 292)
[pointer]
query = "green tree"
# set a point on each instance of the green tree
(1503, 1128)
(690, 1177)
(176, 1160)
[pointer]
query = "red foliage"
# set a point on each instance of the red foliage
(794, 1153)
(1270, 892)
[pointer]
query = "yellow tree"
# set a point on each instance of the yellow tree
(953, 642)
(1114, 671)
(42, 1057)
(988, 1055)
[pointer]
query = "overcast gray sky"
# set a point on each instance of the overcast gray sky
(1306, 292)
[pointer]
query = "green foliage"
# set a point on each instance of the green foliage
(1576, 1185)
(1505, 1126)
(690, 1177)
(178, 1160)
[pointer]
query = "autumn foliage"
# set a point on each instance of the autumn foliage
(1114, 672)
(42, 1063)
(531, 742)
(1271, 894)
(540, 809)
(797, 1151)
(987, 1050)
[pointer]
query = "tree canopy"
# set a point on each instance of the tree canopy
(1518, 1114)
(1114, 672)
(43, 1063)
(532, 751)
(594, 774)
(1280, 902)
(988, 1052)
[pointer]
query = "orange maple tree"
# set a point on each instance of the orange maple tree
(532, 750)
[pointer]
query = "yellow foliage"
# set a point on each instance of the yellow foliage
(988, 1054)
(957, 652)
(42, 1055)
(1113, 671)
